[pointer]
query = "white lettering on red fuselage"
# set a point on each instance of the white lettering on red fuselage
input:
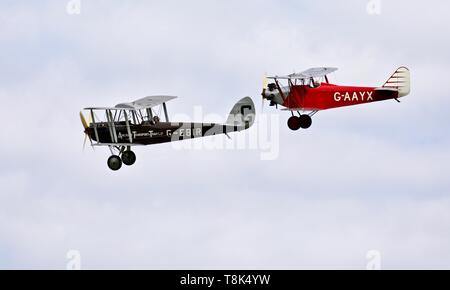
(353, 97)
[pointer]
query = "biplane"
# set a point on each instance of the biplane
(139, 123)
(310, 91)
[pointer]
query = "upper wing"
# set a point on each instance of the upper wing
(318, 72)
(147, 102)
(307, 74)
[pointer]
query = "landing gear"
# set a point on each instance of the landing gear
(303, 121)
(120, 154)
(114, 162)
(128, 157)
(294, 123)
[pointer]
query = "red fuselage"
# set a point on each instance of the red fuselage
(328, 96)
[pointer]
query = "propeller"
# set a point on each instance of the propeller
(84, 143)
(86, 132)
(263, 94)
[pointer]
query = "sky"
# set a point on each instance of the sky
(362, 180)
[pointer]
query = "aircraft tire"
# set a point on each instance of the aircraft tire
(294, 123)
(128, 157)
(305, 121)
(114, 162)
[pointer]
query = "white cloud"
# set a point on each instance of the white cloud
(363, 178)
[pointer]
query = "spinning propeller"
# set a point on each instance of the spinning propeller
(263, 94)
(86, 132)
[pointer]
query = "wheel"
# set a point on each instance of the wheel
(128, 157)
(114, 162)
(294, 123)
(305, 121)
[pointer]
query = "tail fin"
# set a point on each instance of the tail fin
(242, 114)
(400, 80)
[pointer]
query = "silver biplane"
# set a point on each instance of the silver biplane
(139, 123)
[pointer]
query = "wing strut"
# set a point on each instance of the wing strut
(95, 125)
(111, 126)
(127, 123)
(165, 112)
(149, 114)
(279, 89)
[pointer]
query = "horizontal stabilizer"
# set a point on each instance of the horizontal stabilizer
(386, 89)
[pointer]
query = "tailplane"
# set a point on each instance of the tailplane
(242, 114)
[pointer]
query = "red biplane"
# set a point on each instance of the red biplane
(310, 91)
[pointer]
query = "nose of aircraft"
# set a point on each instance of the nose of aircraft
(268, 90)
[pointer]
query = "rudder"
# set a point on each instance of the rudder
(242, 114)
(401, 81)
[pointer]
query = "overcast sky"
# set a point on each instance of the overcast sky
(372, 177)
